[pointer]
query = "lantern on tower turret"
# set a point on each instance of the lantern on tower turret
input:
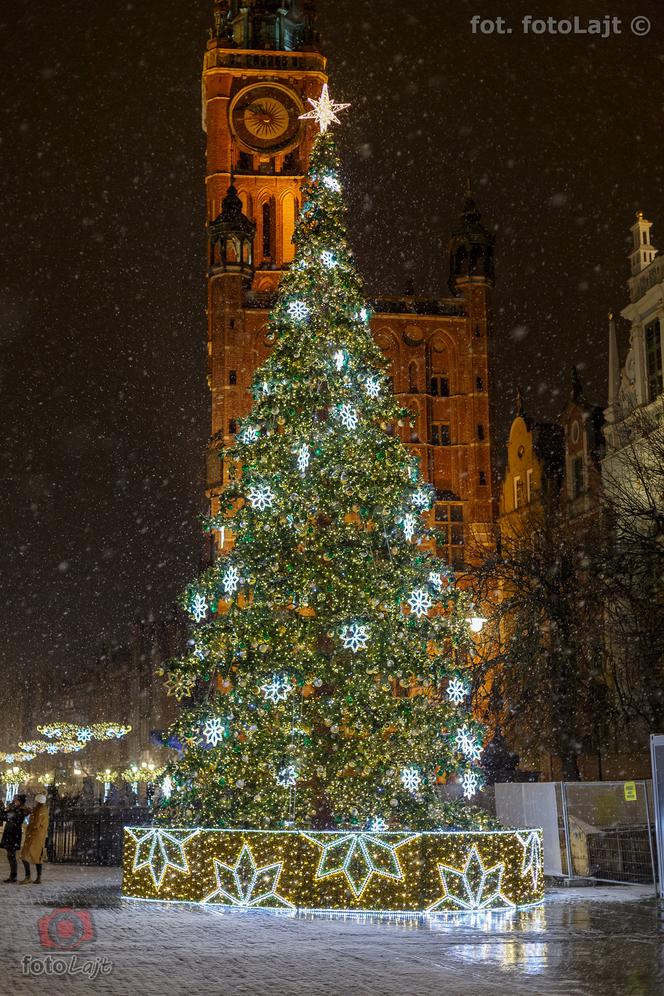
(231, 237)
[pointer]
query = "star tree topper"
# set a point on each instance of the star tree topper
(324, 111)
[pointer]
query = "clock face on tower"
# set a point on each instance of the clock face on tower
(266, 118)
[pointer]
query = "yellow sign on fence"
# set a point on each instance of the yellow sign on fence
(630, 791)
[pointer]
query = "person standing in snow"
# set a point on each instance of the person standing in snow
(13, 831)
(35, 840)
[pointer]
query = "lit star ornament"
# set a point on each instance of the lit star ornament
(473, 887)
(324, 110)
(359, 856)
(355, 637)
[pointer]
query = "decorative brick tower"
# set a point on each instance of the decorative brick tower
(261, 65)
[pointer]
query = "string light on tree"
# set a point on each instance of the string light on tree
(339, 359)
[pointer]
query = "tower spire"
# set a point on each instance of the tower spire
(471, 246)
(614, 362)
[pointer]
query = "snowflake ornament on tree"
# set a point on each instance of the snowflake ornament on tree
(231, 580)
(303, 456)
(409, 523)
(214, 731)
(420, 602)
(261, 497)
(298, 311)
(198, 608)
(456, 691)
(410, 779)
(470, 782)
(348, 416)
(355, 637)
(372, 387)
(277, 689)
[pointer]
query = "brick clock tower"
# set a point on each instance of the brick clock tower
(261, 64)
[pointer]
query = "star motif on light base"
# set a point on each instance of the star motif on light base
(324, 110)
(473, 887)
(246, 884)
(358, 856)
(532, 856)
(159, 850)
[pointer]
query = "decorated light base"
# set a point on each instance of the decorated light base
(345, 871)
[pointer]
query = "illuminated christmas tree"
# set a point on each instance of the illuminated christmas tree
(328, 681)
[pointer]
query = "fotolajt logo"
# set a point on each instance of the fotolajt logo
(66, 930)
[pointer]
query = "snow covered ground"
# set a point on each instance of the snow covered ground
(583, 941)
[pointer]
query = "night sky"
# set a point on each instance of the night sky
(102, 291)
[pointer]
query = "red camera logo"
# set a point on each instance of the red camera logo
(66, 930)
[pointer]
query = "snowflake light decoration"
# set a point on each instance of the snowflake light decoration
(372, 387)
(377, 824)
(332, 183)
(84, 734)
(287, 777)
(355, 637)
(339, 359)
(249, 434)
(329, 260)
(231, 579)
(52, 749)
(467, 744)
(261, 497)
(198, 608)
(410, 779)
(456, 691)
(324, 110)
(408, 524)
(348, 416)
(422, 499)
(213, 731)
(470, 782)
(436, 580)
(420, 602)
(277, 689)
(179, 685)
(199, 652)
(167, 787)
(303, 457)
(298, 311)
(364, 314)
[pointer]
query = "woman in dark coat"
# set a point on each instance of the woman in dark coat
(13, 832)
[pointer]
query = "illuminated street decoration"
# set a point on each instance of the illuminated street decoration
(359, 856)
(532, 855)
(159, 850)
(473, 887)
(246, 884)
(420, 602)
(198, 608)
(214, 731)
(411, 779)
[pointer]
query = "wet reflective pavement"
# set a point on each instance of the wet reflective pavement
(582, 942)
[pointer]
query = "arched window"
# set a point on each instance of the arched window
(288, 209)
(267, 230)
(412, 377)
